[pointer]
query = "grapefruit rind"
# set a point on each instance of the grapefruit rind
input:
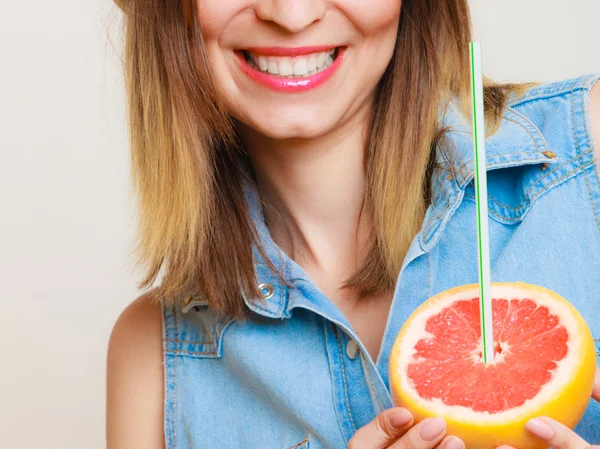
(563, 398)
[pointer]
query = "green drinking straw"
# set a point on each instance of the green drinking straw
(483, 243)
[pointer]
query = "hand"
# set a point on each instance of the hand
(394, 429)
(556, 434)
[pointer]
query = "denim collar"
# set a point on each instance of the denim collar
(516, 142)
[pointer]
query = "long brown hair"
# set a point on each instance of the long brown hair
(194, 225)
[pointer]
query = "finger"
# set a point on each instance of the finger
(386, 428)
(556, 434)
(596, 391)
(451, 442)
(425, 435)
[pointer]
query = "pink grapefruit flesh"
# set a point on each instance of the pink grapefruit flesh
(544, 363)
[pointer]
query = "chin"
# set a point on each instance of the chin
(291, 125)
(283, 131)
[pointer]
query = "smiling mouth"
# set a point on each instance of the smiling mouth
(299, 66)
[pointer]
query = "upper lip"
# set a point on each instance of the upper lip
(289, 51)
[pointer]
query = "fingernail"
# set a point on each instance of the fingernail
(540, 429)
(453, 443)
(400, 418)
(432, 429)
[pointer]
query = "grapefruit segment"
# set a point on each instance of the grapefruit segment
(544, 364)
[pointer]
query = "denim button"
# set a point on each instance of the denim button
(266, 290)
(352, 349)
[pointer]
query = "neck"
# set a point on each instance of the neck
(314, 191)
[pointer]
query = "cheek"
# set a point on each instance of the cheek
(215, 15)
(372, 16)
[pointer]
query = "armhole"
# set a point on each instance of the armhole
(169, 328)
(584, 140)
(594, 143)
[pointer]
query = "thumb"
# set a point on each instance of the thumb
(384, 430)
(596, 391)
(556, 434)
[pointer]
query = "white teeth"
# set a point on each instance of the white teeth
(300, 67)
(262, 64)
(292, 67)
(285, 67)
(321, 59)
(273, 68)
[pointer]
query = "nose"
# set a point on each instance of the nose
(292, 15)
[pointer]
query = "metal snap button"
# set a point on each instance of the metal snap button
(266, 290)
(352, 349)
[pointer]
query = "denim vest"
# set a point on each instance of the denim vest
(294, 375)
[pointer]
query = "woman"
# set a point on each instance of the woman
(304, 175)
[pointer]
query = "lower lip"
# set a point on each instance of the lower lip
(282, 84)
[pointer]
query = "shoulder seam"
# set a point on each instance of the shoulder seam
(556, 89)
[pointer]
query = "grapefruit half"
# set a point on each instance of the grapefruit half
(544, 364)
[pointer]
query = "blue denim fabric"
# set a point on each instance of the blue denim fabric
(284, 378)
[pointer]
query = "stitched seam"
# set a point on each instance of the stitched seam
(190, 342)
(554, 170)
(224, 325)
(552, 184)
(449, 165)
(301, 443)
(526, 194)
(175, 387)
(463, 167)
(589, 188)
(166, 376)
(553, 91)
(264, 309)
(429, 274)
(344, 378)
(526, 130)
(558, 181)
(436, 219)
(220, 332)
(371, 381)
(506, 206)
(192, 352)
(587, 183)
(493, 212)
(591, 140)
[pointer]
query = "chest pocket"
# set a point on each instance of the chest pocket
(194, 330)
(512, 191)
